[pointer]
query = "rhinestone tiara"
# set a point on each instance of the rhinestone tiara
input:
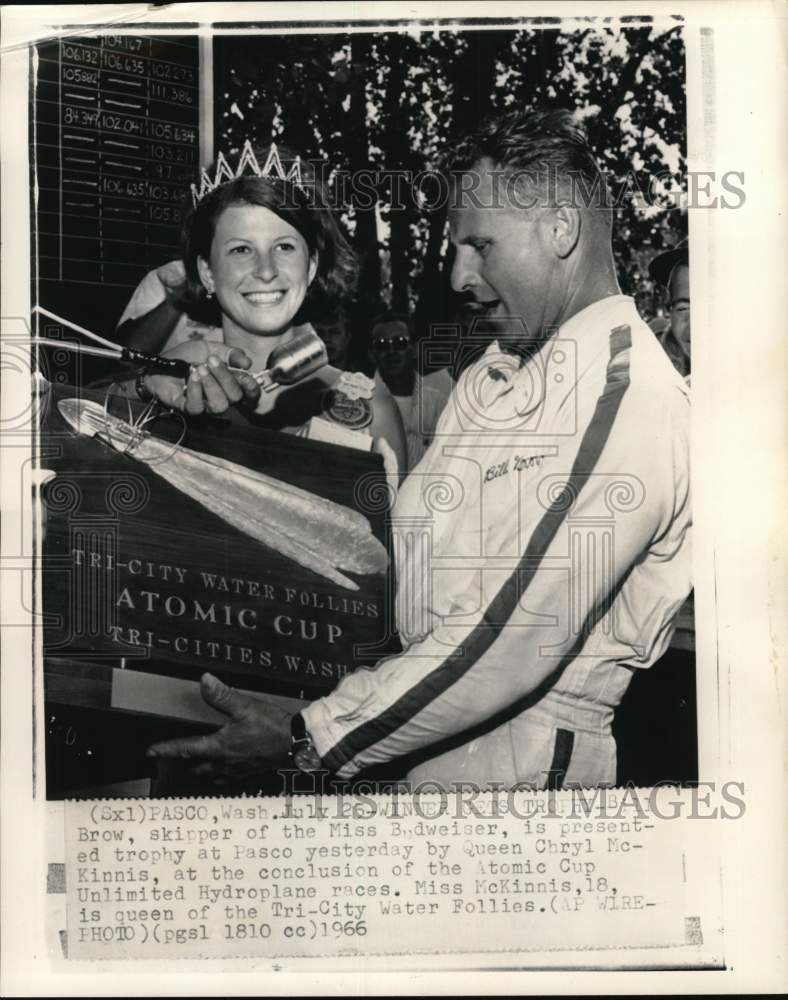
(248, 163)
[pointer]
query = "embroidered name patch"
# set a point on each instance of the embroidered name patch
(518, 463)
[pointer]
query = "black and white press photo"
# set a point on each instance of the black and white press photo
(380, 562)
(394, 164)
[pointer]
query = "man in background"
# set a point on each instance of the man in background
(155, 318)
(671, 269)
(336, 335)
(420, 398)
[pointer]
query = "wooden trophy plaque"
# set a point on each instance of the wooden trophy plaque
(145, 588)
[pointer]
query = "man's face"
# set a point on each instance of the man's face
(391, 348)
(680, 306)
(336, 337)
(505, 260)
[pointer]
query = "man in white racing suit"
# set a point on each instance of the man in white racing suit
(544, 538)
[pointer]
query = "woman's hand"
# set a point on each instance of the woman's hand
(211, 387)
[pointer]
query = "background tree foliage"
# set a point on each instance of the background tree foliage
(393, 101)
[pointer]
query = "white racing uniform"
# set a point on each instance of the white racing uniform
(543, 548)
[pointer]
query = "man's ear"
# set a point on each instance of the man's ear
(206, 275)
(566, 224)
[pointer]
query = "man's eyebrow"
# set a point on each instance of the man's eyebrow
(473, 238)
(675, 302)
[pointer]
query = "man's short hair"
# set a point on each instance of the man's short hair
(338, 314)
(541, 147)
(392, 316)
(662, 267)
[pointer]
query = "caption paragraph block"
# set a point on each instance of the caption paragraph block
(374, 875)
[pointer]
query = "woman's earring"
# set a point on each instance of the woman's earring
(208, 295)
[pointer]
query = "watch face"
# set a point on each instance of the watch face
(306, 758)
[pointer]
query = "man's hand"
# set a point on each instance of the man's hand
(254, 740)
(174, 283)
(211, 387)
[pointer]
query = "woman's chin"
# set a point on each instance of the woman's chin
(264, 326)
(270, 329)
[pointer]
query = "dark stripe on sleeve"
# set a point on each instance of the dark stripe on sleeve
(502, 606)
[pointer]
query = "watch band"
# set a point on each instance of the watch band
(302, 749)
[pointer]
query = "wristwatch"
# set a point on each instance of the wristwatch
(302, 749)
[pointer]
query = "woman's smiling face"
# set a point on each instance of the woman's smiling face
(259, 268)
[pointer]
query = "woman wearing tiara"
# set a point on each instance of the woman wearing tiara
(265, 248)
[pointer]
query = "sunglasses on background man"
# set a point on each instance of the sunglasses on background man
(385, 345)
